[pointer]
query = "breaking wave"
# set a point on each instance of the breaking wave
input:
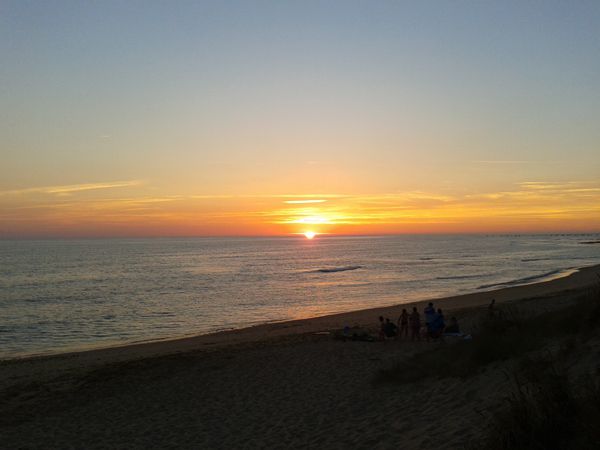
(553, 274)
(334, 269)
(461, 277)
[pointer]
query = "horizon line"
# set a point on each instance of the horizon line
(300, 235)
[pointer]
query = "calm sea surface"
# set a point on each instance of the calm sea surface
(61, 295)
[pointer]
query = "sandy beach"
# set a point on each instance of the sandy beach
(213, 214)
(281, 385)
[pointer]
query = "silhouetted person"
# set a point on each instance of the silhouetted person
(441, 323)
(403, 324)
(414, 321)
(453, 327)
(390, 328)
(436, 326)
(381, 328)
(492, 308)
(429, 312)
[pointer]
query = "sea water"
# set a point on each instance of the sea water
(64, 295)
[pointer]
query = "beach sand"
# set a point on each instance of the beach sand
(282, 385)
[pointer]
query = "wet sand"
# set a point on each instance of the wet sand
(286, 384)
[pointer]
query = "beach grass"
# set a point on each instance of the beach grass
(547, 409)
(551, 404)
(509, 333)
(550, 407)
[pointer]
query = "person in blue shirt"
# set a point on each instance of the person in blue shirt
(429, 314)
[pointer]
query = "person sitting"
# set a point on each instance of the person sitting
(453, 328)
(354, 333)
(390, 329)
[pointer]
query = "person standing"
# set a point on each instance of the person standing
(492, 308)
(403, 324)
(415, 324)
(429, 315)
(441, 322)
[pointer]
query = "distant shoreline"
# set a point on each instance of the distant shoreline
(298, 236)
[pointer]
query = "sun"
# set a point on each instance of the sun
(310, 234)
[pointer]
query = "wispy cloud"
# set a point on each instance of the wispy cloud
(504, 161)
(529, 200)
(271, 196)
(513, 161)
(72, 188)
(295, 202)
(528, 204)
(565, 186)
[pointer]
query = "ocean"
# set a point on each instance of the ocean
(65, 295)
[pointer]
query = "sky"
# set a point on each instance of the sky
(199, 118)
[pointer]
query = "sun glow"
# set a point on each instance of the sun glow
(311, 220)
(310, 234)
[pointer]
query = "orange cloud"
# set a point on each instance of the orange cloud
(531, 206)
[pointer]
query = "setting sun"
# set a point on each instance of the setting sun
(310, 234)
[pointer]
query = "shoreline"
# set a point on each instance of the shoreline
(521, 282)
(580, 279)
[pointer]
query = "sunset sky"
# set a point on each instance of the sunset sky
(148, 118)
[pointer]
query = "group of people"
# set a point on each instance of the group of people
(435, 325)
